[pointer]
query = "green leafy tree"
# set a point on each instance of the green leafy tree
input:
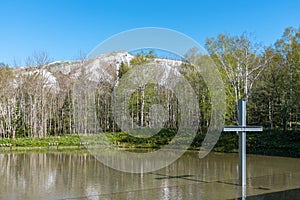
(240, 64)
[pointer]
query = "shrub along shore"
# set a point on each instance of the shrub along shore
(264, 143)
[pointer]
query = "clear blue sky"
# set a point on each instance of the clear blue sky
(63, 28)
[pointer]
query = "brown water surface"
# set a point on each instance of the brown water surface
(56, 175)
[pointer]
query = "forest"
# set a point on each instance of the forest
(30, 106)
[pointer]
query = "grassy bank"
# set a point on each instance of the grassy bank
(277, 143)
(265, 143)
(67, 140)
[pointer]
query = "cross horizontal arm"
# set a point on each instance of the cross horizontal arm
(242, 128)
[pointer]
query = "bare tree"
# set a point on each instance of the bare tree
(38, 59)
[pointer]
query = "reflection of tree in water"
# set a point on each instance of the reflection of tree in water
(56, 175)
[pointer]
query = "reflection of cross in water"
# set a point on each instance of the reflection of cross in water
(242, 128)
(184, 177)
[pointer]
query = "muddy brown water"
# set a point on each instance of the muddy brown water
(57, 175)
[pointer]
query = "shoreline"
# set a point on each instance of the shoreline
(286, 144)
(83, 149)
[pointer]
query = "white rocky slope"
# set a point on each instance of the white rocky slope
(103, 68)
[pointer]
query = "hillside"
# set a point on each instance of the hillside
(104, 68)
(39, 100)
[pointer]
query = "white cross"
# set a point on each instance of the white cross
(242, 128)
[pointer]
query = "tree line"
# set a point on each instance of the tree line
(31, 106)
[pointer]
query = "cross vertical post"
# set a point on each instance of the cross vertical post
(242, 128)
(242, 141)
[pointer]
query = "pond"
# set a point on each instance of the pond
(58, 175)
